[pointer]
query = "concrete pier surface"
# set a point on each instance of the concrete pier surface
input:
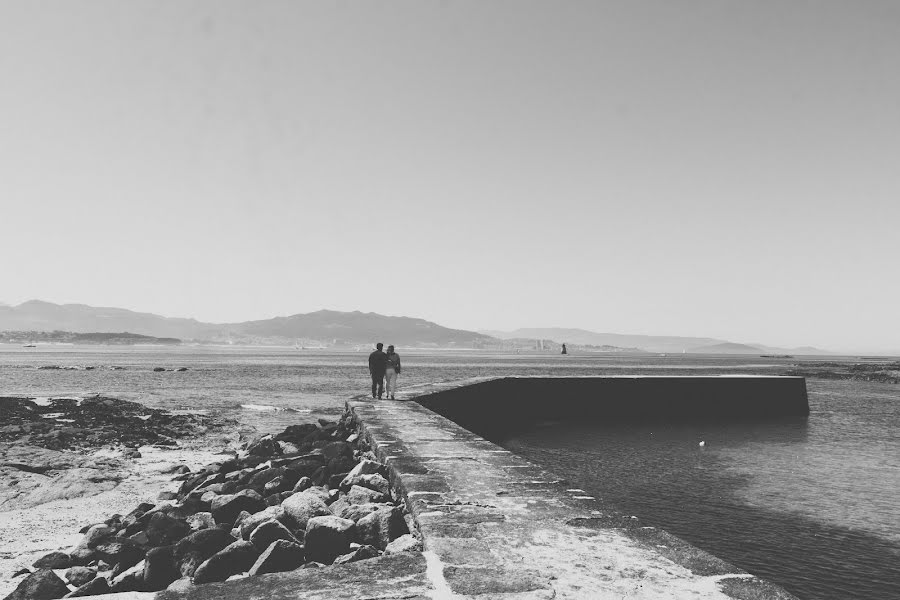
(496, 526)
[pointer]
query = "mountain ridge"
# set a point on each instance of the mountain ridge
(649, 343)
(323, 326)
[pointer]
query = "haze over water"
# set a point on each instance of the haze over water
(809, 504)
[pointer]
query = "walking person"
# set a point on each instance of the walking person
(377, 367)
(392, 373)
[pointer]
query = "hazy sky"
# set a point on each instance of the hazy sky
(715, 168)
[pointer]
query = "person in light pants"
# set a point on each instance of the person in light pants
(392, 373)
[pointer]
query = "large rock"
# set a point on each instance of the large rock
(284, 482)
(328, 537)
(303, 506)
(120, 552)
(264, 447)
(304, 467)
(260, 479)
(337, 449)
(280, 556)
(94, 587)
(251, 522)
(130, 580)
(78, 576)
(363, 495)
(201, 520)
(54, 560)
(355, 512)
(381, 527)
(269, 531)
(197, 547)
(405, 543)
(364, 467)
(160, 569)
(43, 584)
(225, 509)
(373, 481)
(232, 560)
(163, 530)
(95, 534)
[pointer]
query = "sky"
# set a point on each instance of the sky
(714, 168)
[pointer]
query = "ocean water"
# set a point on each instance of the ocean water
(811, 504)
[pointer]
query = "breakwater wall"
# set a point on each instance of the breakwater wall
(493, 406)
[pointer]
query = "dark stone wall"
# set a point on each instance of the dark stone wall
(494, 407)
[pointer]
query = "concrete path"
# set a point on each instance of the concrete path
(497, 526)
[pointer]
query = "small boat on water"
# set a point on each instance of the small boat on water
(29, 345)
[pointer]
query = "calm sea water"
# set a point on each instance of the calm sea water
(811, 504)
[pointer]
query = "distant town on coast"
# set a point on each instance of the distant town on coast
(38, 322)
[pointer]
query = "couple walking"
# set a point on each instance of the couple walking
(384, 366)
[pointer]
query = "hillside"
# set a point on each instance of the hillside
(326, 328)
(584, 337)
(648, 343)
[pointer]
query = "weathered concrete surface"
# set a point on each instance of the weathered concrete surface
(497, 526)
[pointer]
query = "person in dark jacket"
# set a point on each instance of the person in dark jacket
(393, 370)
(377, 368)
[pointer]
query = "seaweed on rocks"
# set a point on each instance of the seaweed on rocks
(313, 494)
(86, 423)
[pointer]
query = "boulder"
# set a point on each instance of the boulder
(252, 521)
(225, 509)
(78, 576)
(159, 568)
(182, 585)
(259, 480)
(304, 466)
(282, 483)
(264, 447)
(321, 492)
(54, 560)
(94, 534)
(82, 556)
(361, 553)
(199, 546)
(355, 512)
(43, 584)
(94, 587)
(201, 520)
(304, 483)
(363, 467)
(405, 543)
(363, 495)
(373, 481)
(232, 560)
(381, 527)
(328, 537)
(129, 580)
(280, 556)
(163, 529)
(301, 507)
(296, 433)
(337, 449)
(269, 531)
(121, 552)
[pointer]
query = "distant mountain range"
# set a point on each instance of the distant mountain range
(648, 343)
(332, 328)
(324, 327)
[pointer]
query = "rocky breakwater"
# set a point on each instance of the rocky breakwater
(311, 496)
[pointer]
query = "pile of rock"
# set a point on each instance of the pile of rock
(311, 496)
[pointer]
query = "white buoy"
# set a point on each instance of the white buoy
(702, 444)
